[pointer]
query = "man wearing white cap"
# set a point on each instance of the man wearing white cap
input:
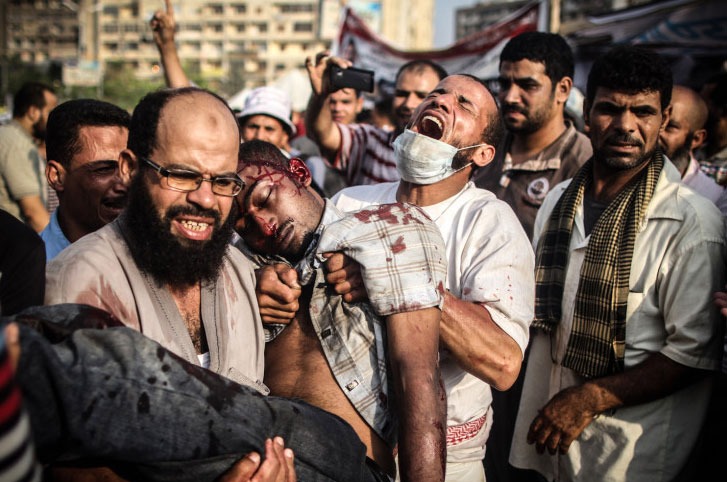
(266, 117)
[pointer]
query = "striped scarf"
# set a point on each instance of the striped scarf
(597, 342)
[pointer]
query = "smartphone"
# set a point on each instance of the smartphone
(359, 79)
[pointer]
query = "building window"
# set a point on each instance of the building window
(302, 27)
(295, 7)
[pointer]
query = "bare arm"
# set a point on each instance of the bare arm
(478, 344)
(413, 355)
(163, 26)
(318, 121)
(570, 411)
(34, 212)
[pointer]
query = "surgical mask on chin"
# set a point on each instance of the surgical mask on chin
(423, 160)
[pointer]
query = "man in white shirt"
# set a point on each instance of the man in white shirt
(489, 290)
(625, 333)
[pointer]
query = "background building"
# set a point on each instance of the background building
(229, 44)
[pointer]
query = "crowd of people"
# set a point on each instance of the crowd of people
(471, 288)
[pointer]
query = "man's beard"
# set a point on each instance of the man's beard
(169, 259)
(682, 154)
(534, 120)
(39, 130)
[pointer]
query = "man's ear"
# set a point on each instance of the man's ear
(300, 171)
(55, 173)
(128, 162)
(484, 155)
(359, 104)
(562, 89)
(698, 139)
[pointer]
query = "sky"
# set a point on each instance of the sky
(444, 20)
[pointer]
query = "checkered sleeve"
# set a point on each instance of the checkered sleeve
(401, 253)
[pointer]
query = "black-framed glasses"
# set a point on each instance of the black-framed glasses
(186, 181)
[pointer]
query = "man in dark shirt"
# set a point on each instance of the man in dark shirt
(22, 266)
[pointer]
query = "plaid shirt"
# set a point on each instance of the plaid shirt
(402, 258)
(366, 155)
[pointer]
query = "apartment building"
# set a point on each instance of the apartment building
(243, 43)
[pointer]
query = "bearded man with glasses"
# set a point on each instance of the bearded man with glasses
(164, 266)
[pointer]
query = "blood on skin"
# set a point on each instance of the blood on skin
(275, 173)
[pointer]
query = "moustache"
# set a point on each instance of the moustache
(507, 108)
(623, 139)
(174, 211)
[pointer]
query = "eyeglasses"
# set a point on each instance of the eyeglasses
(186, 181)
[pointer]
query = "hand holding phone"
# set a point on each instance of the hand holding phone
(358, 79)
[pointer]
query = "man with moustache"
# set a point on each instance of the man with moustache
(83, 143)
(488, 293)
(684, 134)
(22, 184)
(541, 147)
(361, 151)
(625, 333)
(373, 364)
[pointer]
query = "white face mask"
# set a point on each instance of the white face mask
(423, 160)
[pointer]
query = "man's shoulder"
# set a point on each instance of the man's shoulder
(357, 197)
(485, 216)
(698, 215)
(12, 135)
(95, 250)
(237, 259)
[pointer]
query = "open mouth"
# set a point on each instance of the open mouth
(196, 230)
(431, 126)
(114, 204)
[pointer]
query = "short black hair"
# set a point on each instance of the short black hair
(420, 66)
(30, 94)
(630, 69)
(261, 153)
(66, 120)
(550, 49)
(145, 119)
